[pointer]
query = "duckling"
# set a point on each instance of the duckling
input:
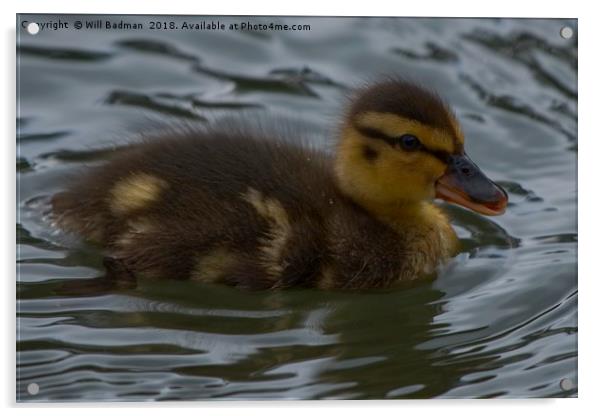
(224, 205)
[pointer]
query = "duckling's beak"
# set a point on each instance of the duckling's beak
(464, 184)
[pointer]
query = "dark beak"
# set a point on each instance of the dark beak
(464, 184)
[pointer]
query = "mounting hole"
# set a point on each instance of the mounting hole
(33, 28)
(33, 388)
(566, 384)
(566, 32)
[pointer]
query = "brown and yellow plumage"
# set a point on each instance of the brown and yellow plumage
(257, 211)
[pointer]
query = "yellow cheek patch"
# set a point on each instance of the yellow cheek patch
(135, 192)
(273, 245)
(214, 265)
(394, 178)
(395, 126)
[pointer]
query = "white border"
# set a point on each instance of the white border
(590, 157)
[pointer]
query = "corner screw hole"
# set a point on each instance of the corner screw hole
(566, 384)
(33, 388)
(566, 32)
(33, 28)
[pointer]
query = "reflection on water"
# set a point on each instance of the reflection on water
(500, 320)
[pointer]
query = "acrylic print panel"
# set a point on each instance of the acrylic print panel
(280, 234)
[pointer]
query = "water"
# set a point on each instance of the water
(500, 320)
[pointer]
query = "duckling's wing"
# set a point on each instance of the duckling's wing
(178, 205)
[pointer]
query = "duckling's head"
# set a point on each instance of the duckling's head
(400, 144)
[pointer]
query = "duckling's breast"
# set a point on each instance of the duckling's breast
(365, 252)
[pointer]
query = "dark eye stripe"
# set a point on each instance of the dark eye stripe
(377, 134)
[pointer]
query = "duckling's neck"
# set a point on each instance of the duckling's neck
(404, 214)
(417, 220)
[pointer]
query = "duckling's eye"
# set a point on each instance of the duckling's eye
(409, 142)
